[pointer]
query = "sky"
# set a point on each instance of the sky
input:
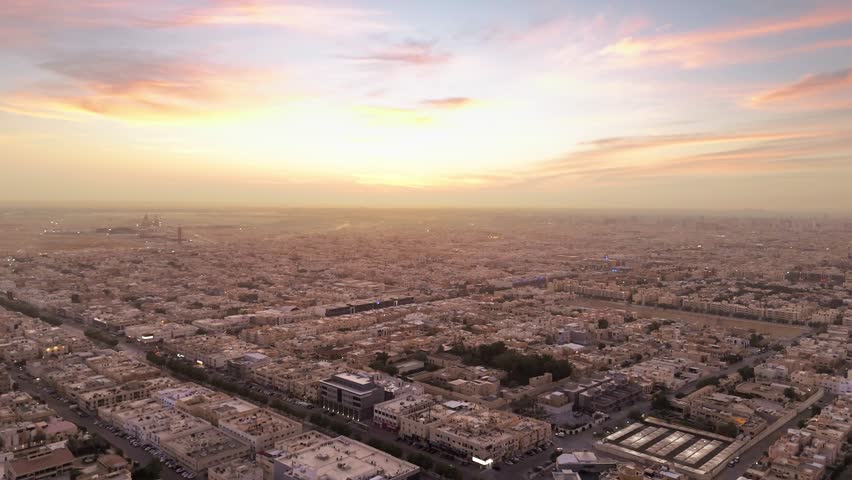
(478, 103)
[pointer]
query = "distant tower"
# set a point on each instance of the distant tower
(180, 234)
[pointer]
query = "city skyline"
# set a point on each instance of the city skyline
(378, 104)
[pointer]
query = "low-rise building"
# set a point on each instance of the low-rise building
(338, 458)
(40, 464)
(237, 469)
(475, 431)
(202, 450)
(260, 429)
(387, 414)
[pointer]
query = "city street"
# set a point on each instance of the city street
(134, 453)
(753, 454)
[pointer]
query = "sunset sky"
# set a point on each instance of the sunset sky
(678, 104)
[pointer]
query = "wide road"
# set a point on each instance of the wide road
(755, 452)
(775, 329)
(134, 453)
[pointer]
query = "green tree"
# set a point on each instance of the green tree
(448, 471)
(708, 381)
(603, 323)
(148, 472)
(727, 429)
(660, 401)
(747, 373)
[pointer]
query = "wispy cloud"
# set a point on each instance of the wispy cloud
(631, 159)
(694, 49)
(448, 102)
(318, 18)
(393, 116)
(130, 85)
(808, 86)
(408, 53)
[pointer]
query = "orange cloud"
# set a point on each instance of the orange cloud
(808, 86)
(703, 47)
(306, 17)
(138, 87)
(632, 158)
(449, 102)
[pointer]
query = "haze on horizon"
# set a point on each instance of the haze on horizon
(710, 105)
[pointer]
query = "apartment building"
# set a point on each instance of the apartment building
(260, 429)
(341, 458)
(202, 450)
(216, 407)
(387, 414)
(40, 464)
(237, 469)
(475, 431)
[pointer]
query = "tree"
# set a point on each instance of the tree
(652, 327)
(747, 373)
(421, 460)
(790, 393)
(756, 340)
(148, 472)
(603, 323)
(727, 429)
(661, 402)
(381, 363)
(708, 381)
(634, 415)
(448, 471)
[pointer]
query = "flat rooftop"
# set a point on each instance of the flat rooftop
(341, 459)
(692, 451)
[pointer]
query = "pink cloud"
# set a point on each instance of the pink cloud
(411, 53)
(809, 86)
(693, 49)
(315, 18)
(130, 85)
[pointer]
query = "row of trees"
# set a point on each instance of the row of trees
(518, 366)
(101, 336)
(422, 460)
(11, 303)
(336, 426)
(382, 364)
(195, 373)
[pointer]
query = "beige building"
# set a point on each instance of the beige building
(475, 431)
(387, 414)
(238, 469)
(41, 464)
(202, 450)
(215, 407)
(322, 457)
(260, 429)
